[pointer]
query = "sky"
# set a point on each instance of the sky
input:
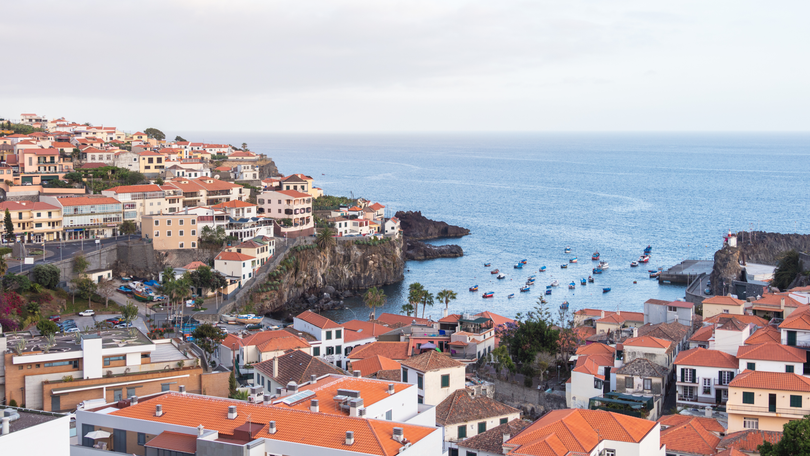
(409, 65)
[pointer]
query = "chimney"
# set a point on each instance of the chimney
(267, 399)
(313, 378)
(783, 303)
(708, 412)
(349, 438)
(133, 400)
(355, 405)
(182, 389)
(390, 388)
(603, 314)
(357, 373)
(232, 412)
(635, 332)
(399, 434)
(200, 429)
(275, 367)
(272, 428)
(618, 312)
(506, 436)
(292, 387)
(313, 406)
(158, 410)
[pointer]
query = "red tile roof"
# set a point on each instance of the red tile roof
(707, 358)
(783, 381)
(135, 188)
(174, 441)
(710, 424)
(749, 440)
(317, 320)
(294, 194)
(596, 349)
(775, 300)
(394, 350)
(371, 390)
(765, 335)
(647, 341)
(724, 301)
(194, 265)
(26, 206)
(703, 334)
(390, 318)
(798, 319)
(233, 256)
(772, 352)
(430, 361)
(689, 437)
(747, 319)
(372, 365)
(462, 407)
(87, 201)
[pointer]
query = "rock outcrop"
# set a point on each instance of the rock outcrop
(726, 268)
(418, 250)
(416, 226)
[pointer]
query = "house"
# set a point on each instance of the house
(88, 217)
(766, 400)
(500, 322)
(378, 367)
(745, 319)
(259, 347)
(247, 172)
(151, 164)
(340, 225)
(659, 351)
(25, 432)
(292, 209)
(658, 311)
(765, 335)
(171, 231)
(435, 374)
(292, 365)
(587, 432)
(207, 191)
(358, 333)
(690, 435)
(490, 443)
(702, 338)
(140, 200)
(775, 305)
(717, 305)
(393, 320)
(111, 366)
(178, 423)
(261, 252)
(33, 222)
(391, 227)
(614, 322)
(236, 266)
(795, 329)
(242, 155)
(328, 335)
(674, 332)
(730, 335)
(771, 357)
(703, 376)
(593, 375)
(642, 377)
(127, 160)
(463, 414)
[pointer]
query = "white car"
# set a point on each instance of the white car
(123, 326)
(87, 313)
(72, 330)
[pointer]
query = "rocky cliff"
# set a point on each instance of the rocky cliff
(267, 167)
(417, 250)
(308, 272)
(141, 260)
(416, 226)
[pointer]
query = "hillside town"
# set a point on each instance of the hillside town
(721, 377)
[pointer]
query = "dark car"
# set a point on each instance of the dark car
(114, 320)
(55, 318)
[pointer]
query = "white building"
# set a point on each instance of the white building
(771, 357)
(23, 432)
(328, 343)
(464, 415)
(436, 375)
(235, 265)
(703, 376)
(657, 311)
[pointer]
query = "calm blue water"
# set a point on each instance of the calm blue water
(531, 195)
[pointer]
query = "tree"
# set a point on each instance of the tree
(787, 268)
(159, 181)
(80, 263)
(3, 267)
(32, 308)
(155, 134)
(17, 282)
(795, 440)
(179, 138)
(232, 383)
(208, 338)
(325, 238)
(129, 312)
(427, 300)
(47, 275)
(446, 296)
(374, 297)
(128, 227)
(73, 176)
(529, 335)
(85, 287)
(204, 278)
(9, 228)
(47, 327)
(106, 288)
(415, 291)
(244, 146)
(133, 178)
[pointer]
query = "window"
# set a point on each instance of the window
(789, 369)
(610, 452)
(791, 338)
(141, 439)
(157, 233)
(752, 366)
(330, 350)
(61, 363)
(328, 335)
(193, 244)
(462, 432)
(420, 400)
(338, 349)
(181, 222)
(482, 427)
(130, 392)
(168, 234)
(107, 361)
(597, 383)
(628, 382)
(389, 415)
(193, 232)
(157, 222)
(420, 381)
(647, 384)
(338, 333)
(750, 423)
(165, 387)
(181, 245)
(446, 381)
(796, 401)
(193, 222)
(748, 397)
(504, 420)
(707, 386)
(118, 395)
(672, 308)
(471, 453)
(726, 377)
(688, 376)
(316, 351)
(404, 375)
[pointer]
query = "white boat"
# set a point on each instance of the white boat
(247, 319)
(603, 265)
(555, 284)
(501, 276)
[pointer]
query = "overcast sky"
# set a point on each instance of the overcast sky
(410, 65)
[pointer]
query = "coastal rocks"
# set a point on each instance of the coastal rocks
(416, 226)
(417, 250)
(726, 268)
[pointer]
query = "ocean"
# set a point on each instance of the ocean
(528, 196)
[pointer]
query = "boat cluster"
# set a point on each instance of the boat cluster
(141, 291)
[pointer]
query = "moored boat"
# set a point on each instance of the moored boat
(494, 271)
(597, 270)
(141, 297)
(634, 264)
(572, 285)
(488, 294)
(564, 305)
(590, 279)
(595, 256)
(568, 250)
(644, 259)
(124, 289)
(474, 288)
(563, 266)
(248, 319)
(648, 249)
(530, 282)
(511, 295)
(605, 290)
(519, 266)
(501, 276)
(542, 269)
(524, 261)
(582, 281)
(603, 265)
(573, 260)
(486, 265)
(555, 283)
(525, 289)
(548, 291)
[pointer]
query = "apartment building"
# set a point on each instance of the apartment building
(176, 231)
(33, 222)
(140, 200)
(435, 375)
(88, 217)
(260, 249)
(235, 266)
(111, 365)
(463, 414)
(328, 343)
(151, 164)
(37, 165)
(258, 347)
(291, 208)
(767, 400)
(207, 191)
(703, 376)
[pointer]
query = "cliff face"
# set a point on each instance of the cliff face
(726, 268)
(417, 250)
(416, 226)
(345, 266)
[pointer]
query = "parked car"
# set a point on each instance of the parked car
(87, 313)
(72, 330)
(55, 318)
(70, 320)
(114, 320)
(123, 326)
(253, 326)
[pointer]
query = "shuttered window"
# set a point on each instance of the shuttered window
(748, 398)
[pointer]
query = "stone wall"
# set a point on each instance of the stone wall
(533, 402)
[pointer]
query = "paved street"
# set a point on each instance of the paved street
(56, 251)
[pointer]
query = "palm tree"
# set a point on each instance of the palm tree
(374, 298)
(446, 296)
(415, 291)
(427, 300)
(325, 238)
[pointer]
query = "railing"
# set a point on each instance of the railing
(760, 409)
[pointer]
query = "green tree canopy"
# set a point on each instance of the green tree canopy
(128, 227)
(530, 334)
(325, 238)
(179, 138)
(129, 312)
(374, 297)
(9, 227)
(46, 275)
(85, 287)
(787, 268)
(446, 296)
(795, 440)
(47, 327)
(207, 337)
(155, 134)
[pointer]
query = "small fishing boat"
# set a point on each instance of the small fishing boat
(124, 289)
(126, 279)
(248, 319)
(590, 279)
(597, 270)
(644, 259)
(524, 261)
(532, 277)
(595, 256)
(525, 289)
(494, 271)
(573, 260)
(568, 250)
(572, 286)
(648, 249)
(474, 288)
(542, 269)
(511, 295)
(486, 265)
(530, 282)
(555, 283)
(519, 266)
(563, 266)
(141, 297)
(564, 305)
(605, 290)
(501, 276)
(603, 265)
(548, 291)
(488, 294)
(582, 281)
(634, 264)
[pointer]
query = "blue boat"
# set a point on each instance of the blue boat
(572, 286)
(530, 281)
(533, 276)
(519, 266)
(486, 265)
(542, 269)
(474, 288)
(548, 291)
(525, 289)
(568, 250)
(511, 296)
(564, 305)
(582, 282)
(605, 290)
(648, 249)
(564, 266)
(523, 261)
(597, 270)
(573, 260)
(124, 289)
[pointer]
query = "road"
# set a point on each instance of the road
(57, 251)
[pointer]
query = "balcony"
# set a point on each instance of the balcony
(786, 412)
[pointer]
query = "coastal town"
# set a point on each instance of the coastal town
(139, 273)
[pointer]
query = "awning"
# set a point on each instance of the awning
(429, 345)
(95, 435)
